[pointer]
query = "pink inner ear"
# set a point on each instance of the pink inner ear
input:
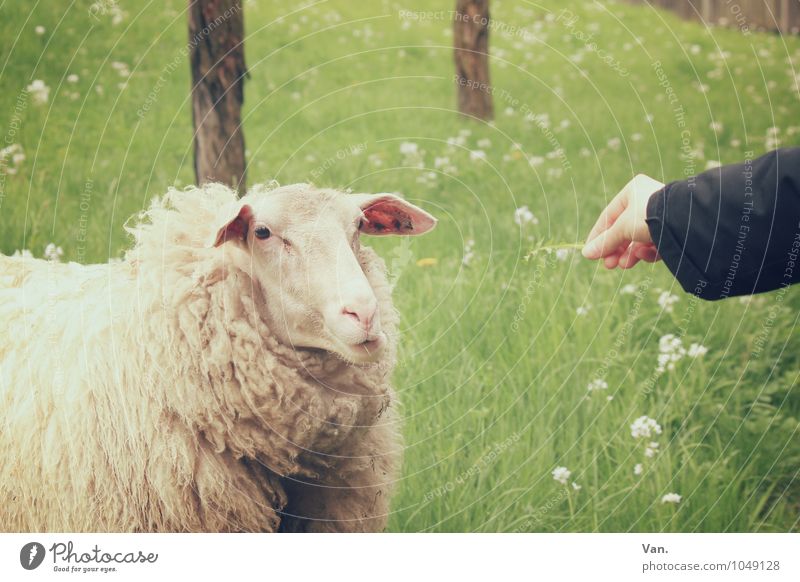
(237, 228)
(388, 217)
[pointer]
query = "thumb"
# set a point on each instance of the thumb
(607, 242)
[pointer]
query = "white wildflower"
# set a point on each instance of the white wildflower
(469, 253)
(40, 30)
(117, 14)
(535, 161)
(9, 150)
(484, 143)
(456, 141)
(614, 143)
(555, 154)
(715, 126)
(14, 151)
(23, 254)
(53, 252)
(563, 254)
(475, 155)
(39, 91)
(597, 384)
(413, 156)
(666, 300)
(772, 141)
(645, 427)
(561, 474)
(582, 310)
(711, 164)
(73, 78)
(628, 289)
(671, 350)
(523, 216)
(121, 68)
(576, 487)
(697, 351)
(651, 449)
(671, 498)
(638, 469)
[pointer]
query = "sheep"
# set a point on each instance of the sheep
(231, 373)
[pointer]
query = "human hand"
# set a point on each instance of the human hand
(620, 236)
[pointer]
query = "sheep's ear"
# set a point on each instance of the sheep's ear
(389, 214)
(235, 225)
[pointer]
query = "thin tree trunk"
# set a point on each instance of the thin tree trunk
(216, 33)
(471, 44)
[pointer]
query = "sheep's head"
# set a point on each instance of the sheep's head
(302, 245)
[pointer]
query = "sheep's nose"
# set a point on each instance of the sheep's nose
(363, 312)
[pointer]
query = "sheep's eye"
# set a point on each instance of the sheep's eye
(360, 224)
(262, 232)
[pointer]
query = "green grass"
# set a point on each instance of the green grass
(495, 360)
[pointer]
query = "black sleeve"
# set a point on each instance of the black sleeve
(733, 230)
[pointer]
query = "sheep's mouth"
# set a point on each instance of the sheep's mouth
(368, 344)
(367, 350)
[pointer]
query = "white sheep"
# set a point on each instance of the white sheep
(232, 373)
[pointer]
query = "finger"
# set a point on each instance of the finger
(628, 258)
(610, 214)
(611, 261)
(607, 242)
(647, 253)
(613, 211)
(637, 249)
(629, 263)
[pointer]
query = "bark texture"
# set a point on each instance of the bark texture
(471, 52)
(216, 32)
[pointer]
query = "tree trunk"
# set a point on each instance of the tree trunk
(216, 33)
(471, 44)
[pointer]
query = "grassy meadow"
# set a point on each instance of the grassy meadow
(509, 368)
